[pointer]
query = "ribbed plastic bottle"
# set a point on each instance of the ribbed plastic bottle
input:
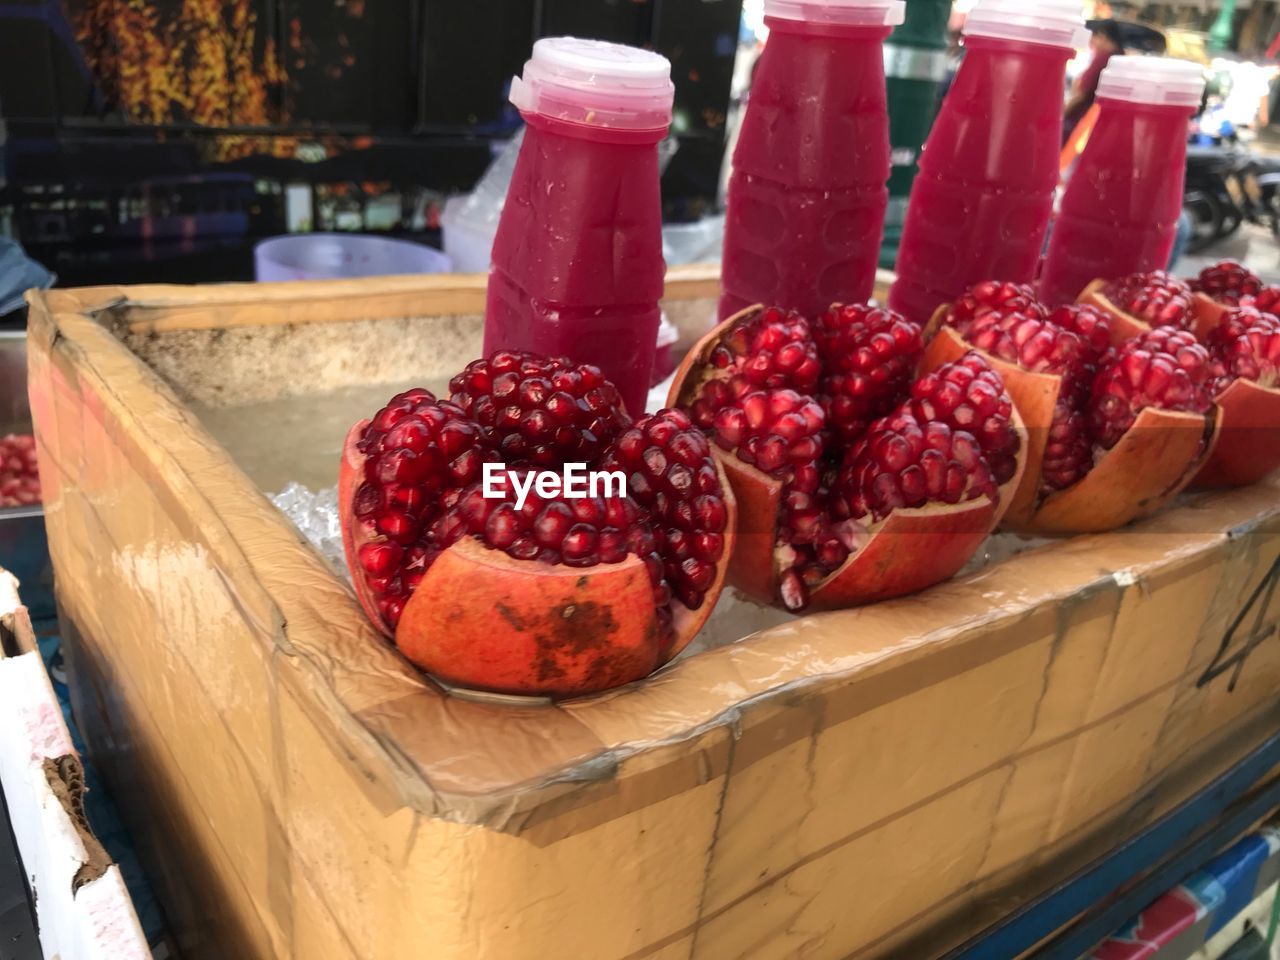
(806, 201)
(577, 259)
(1120, 209)
(982, 201)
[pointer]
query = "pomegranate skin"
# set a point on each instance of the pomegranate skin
(482, 620)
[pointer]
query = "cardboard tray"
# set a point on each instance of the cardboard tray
(869, 783)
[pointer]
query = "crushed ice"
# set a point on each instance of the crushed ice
(315, 514)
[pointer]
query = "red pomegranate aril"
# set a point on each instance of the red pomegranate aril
(380, 559)
(400, 527)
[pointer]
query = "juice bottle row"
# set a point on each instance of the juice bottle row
(577, 262)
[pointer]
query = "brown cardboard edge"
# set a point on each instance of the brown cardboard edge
(501, 804)
(65, 774)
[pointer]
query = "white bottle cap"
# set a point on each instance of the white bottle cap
(596, 83)
(845, 13)
(1153, 80)
(1058, 23)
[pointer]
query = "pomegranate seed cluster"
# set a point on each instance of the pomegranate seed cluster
(1245, 346)
(1163, 368)
(1159, 299)
(423, 488)
(847, 433)
(540, 412)
(1227, 282)
(1103, 389)
(19, 476)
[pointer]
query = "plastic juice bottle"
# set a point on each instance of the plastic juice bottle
(1120, 210)
(807, 198)
(982, 201)
(577, 259)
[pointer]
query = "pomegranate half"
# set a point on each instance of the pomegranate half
(796, 428)
(1245, 343)
(1084, 472)
(556, 596)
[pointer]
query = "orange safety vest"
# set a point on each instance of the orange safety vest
(1079, 137)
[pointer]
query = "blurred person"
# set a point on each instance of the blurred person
(1105, 42)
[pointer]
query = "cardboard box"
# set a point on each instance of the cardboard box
(869, 783)
(82, 906)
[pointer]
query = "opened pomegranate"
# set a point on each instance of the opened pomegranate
(853, 483)
(490, 580)
(1088, 468)
(1227, 282)
(1245, 384)
(19, 475)
(1224, 286)
(1143, 301)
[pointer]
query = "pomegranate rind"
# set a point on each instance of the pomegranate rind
(1247, 448)
(1034, 395)
(482, 620)
(350, 476)
(751, 568)
(1124, 326)
(912, 550)
(1152, 463)
(1206, 314)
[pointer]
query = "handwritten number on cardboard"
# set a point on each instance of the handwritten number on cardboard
(1254, 613)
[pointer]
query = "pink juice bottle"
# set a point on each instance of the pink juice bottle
(981, 205)
(577, 260)
(1120, 210)
(807, 198)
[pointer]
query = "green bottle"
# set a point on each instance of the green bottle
(915, 66)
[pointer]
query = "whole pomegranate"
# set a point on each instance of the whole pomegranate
(490, 576)
(19, 475)
(836, 454)
(1245, 383)
(1078, 476)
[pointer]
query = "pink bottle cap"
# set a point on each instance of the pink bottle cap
(845, 13)
(1056, 23)
(1153, 80)
(597, 84)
